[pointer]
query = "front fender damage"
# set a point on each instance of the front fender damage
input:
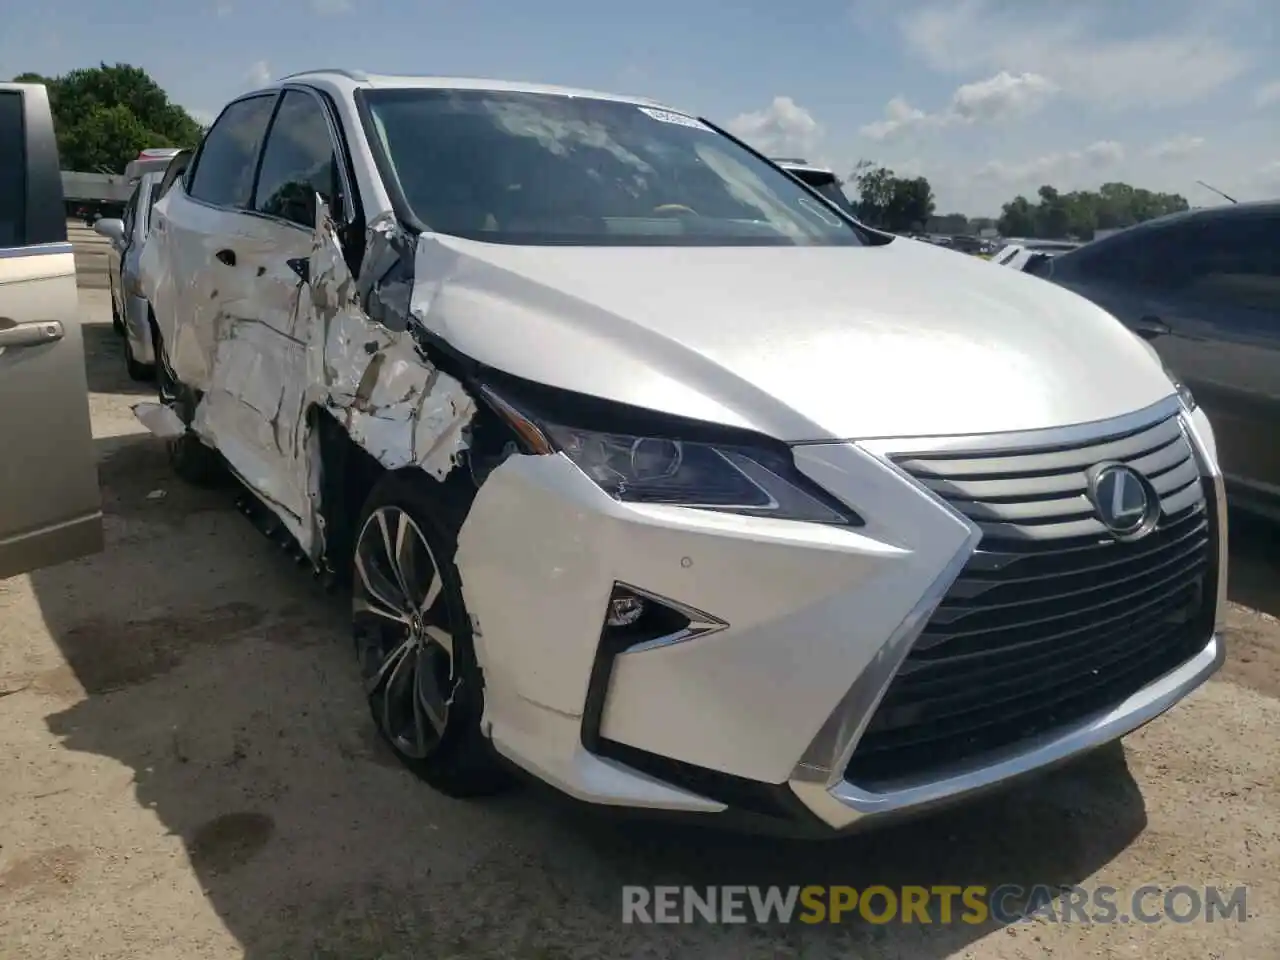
(371, 373)
(363, 365)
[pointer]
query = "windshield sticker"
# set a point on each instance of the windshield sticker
(679, 119)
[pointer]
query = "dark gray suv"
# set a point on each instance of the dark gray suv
(1204, 288)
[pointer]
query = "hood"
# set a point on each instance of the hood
(800, 343)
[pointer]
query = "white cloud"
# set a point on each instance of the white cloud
(997, 99)
(1176, 148)
(330, 8)
(1002, 97)
(1093, 158)
(899, 117)
(223, 9)
(783, 129)
(1171, 67)
(1267, 94)
(259, 75)
(202, 117)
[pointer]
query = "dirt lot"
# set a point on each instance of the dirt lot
(187, 771)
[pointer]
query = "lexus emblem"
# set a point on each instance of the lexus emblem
(1123, 500)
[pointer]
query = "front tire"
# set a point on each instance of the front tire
(413, 639)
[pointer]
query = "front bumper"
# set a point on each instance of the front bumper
(763, 713)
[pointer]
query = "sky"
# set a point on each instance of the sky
(986, 98)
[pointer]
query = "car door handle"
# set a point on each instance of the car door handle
(14, 334)
(227, 256)
(1150, 327)
(301, 266)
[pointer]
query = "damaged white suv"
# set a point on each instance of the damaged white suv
(660, 478)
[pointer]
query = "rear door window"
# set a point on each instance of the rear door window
(13, 171)
(298, 161)
(224, 167)
(172, 173)
(1147, 256)
(1235, 261)
(131, 213)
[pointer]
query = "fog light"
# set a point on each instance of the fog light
(624, 609)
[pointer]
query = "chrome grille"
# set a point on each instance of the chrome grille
(1053, 619)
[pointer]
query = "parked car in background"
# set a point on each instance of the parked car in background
(1204, 288)
(821, 179)
(1018, 253)
(569, 387)
(150, 160)
(967, 244)
(130, 313)
(50, 506)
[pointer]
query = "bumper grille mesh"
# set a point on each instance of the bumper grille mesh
(1052, 620)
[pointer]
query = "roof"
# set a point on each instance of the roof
(359, 78)
(802, 165)
(1226, 211)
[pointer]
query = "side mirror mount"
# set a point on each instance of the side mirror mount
(111, 228)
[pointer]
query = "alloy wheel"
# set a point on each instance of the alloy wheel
(403, 634)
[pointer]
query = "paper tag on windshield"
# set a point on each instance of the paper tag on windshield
(679, 119)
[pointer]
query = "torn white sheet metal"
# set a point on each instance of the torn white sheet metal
(160, 420)
(394, 403)
(405, 413)
(269, 348)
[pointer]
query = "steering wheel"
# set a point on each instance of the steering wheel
(675, 210)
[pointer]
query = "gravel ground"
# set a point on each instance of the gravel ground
(187, 771)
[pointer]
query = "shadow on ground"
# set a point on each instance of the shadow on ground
(221, 675)
(1255, 555)
(104, 362)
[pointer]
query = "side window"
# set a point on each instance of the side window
(173, 173)
(13, 171)
(131, 212)
(1143, 255)
(298, 161)
(223, 172)
(1236, 262)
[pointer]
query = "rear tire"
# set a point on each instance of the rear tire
(193, 461)
(413, 638)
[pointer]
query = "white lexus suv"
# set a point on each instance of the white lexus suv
(656, 475)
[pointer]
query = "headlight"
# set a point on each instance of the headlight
(731, 479)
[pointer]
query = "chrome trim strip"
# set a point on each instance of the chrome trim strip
(1211, 470)
(831, 749)
(1095, 430)
(36, 250)
(701, 623)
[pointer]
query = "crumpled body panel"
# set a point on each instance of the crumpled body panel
(285, 332)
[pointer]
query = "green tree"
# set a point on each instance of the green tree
(1017, 218)
(891, 202)
(105, 114)
(1081, 213)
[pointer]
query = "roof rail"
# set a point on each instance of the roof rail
(359, 76)
(789, 160)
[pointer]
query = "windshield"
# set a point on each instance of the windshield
(531, 168)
